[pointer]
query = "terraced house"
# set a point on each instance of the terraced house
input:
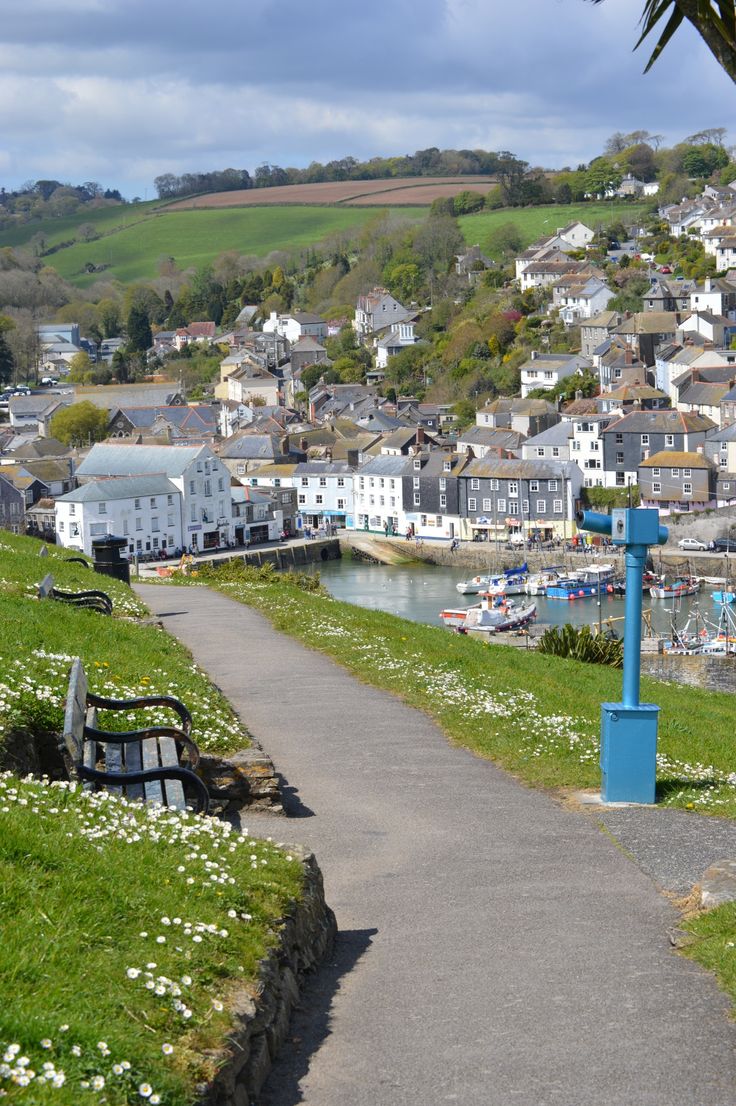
(640, 434)
(505, 499)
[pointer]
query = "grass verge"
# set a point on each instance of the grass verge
(122, 657)
(125, 930)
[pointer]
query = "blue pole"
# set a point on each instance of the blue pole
(635, 560)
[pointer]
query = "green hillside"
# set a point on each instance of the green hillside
(533, 222)
(134, 238)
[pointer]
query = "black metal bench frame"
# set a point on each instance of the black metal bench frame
(95, 600)
(140, 764)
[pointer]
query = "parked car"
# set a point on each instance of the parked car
(665, 269)
(723, 545)
(691, 543)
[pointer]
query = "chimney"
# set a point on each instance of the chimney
(420, 435)
(328, 456)
(708, 285)
(578, 395)
(303, 445)
(628, 356)
(535, 355)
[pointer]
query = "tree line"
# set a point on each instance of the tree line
(431, 162)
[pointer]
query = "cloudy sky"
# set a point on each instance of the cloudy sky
(120, 91)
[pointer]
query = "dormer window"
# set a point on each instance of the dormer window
(447, 466)
(417, 464)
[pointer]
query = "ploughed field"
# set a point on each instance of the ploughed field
(398, 191)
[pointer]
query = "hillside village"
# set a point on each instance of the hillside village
(642, 400)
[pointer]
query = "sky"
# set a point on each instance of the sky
(121, 91)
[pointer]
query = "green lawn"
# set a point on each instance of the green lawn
(534, 222)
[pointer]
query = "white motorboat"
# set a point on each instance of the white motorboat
(499, 583)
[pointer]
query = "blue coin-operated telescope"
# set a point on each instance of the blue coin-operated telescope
(629, 728)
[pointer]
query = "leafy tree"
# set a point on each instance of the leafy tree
(80, 368)
(714, 20)
(80, 424)
(138, 327)
(602, 176)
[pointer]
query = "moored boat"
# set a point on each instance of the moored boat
(684, 585)
(455, 617)
(538, 582)
(498, 582)
(572, 588)
(488, 619)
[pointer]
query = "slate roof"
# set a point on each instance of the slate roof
(670, 458)
(512, 469)
(119, 487)
(660, 422)
(559, 434)
(126, 460)
(246, 446)
(705, 392)
(202, 418)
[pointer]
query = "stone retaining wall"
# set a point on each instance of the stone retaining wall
(261, 1016)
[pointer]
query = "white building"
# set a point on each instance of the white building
(392, 343)
(295, 326)
(201, 478)
(378, 494)
(581, 301)
(147, 510)
(586, 447)
(546, 370)
(324, 492)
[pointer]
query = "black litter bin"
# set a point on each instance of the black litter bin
(106, 554)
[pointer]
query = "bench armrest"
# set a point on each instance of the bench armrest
(184, 775)
(124, 737)
(145, 701)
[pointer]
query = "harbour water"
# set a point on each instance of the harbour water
(419, 592)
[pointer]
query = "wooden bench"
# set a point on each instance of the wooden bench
(140, 764)
(94, 600)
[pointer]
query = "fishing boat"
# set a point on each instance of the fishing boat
(500, 581)
(538, 582)
(487, 619)
(592, 574)
(572, 588)
(455, 617)
(697, 639)
(683, 585)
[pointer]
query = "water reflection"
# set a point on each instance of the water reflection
(419, 592)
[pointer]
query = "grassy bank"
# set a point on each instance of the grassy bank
(122, 657)
(125, 931)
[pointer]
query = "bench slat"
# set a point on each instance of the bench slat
(153, 788)
(169, 759)
(133, 763)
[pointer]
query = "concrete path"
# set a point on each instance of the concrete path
(495, 948)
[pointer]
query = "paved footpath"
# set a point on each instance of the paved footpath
(495, 948)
